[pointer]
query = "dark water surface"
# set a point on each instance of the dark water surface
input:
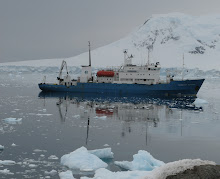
(54, 124)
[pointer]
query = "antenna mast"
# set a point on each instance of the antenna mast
(148, 60)
(183, 67)
(89, 55)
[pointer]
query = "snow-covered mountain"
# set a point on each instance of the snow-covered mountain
(167, 36)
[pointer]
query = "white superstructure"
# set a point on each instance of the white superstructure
(132, 74)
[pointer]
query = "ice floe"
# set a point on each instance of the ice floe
(52, 172)
(1, 147)
(161, 172)
(6, 172)
(7, 162)
(101, 117)
(66, 175)
(143, 160)
(81, 159)
(53, 157)
(199, 102)
(11, 120)
(102, 153)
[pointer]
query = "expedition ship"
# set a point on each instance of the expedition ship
(129, 79)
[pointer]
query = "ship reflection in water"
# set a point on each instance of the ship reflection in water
(127, 110)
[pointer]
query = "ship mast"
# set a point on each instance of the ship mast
(183, 68)
(89, 55)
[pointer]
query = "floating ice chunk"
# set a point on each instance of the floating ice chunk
(103, 173)
(1, 147)
(101, 117)
(76, 116)
(66, 175)
(52, 172)
(81, 159)
(6, 172)
(11, 120)
(7, 162)
(102, 153)
(13, 145)
(143, 160)
(32, 166)
(53, 157)
(44, 114)
(106, 145)
(199, 102)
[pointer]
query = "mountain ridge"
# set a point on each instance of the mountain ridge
(167, 36)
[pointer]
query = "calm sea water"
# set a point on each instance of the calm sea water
(54, 124)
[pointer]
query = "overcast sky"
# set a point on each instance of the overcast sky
(40, 29)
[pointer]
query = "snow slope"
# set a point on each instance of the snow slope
(169, 35)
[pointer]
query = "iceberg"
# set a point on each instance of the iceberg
(143, 161)
(81, 159)
(199, 102)
(66, 175)
(102, 153)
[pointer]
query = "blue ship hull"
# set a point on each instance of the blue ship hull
(174, 88)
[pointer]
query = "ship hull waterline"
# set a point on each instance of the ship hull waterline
(174, 88)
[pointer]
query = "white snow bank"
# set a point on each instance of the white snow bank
(11, 120)
(102, 153)
(143, 160)
(66, 175)
(81, 159)
(1, 147)
(199, 102)
(173, 168)
(6, 172)
(7, 162)
(103, 173)
(162, 172)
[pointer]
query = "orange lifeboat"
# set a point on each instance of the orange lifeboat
(105, 73)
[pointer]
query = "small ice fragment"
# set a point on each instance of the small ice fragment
(199, 102)
(118, 143)
(32, 166)
(106, 145)
(11, 120)
(44, 114)
(13, 145)
(53, 157)
(52, 172)
(6, 172)
(1, 147)
(102, 117)
(66, 175)
(7, 162)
